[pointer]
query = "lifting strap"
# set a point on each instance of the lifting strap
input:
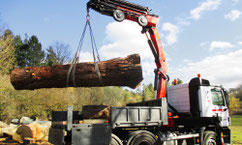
(72, 68)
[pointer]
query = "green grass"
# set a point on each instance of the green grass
(236, 129)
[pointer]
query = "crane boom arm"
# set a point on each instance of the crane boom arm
(120, 10)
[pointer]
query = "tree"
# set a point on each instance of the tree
(62, 52)
(36, 54)
(233, 104)
(7, 50)
(21, 51)
(51, 58)
(149, 92)
(238, 93)
(29, 52)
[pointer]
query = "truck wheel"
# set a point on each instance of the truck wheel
(115, 140)
(142, 138)
(209, 138)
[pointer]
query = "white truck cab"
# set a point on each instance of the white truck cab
(199, 98)
(213, 103)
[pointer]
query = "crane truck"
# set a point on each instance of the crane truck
(190, 113)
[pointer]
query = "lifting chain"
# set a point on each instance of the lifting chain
(75, 60)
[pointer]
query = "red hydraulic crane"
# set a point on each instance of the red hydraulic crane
(121, 10)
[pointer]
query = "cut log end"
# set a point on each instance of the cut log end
(25, 131)
(114, 72)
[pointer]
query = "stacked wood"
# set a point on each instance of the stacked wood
(6, 141)
(34, 131)
(3, 125)
(9, 130)
(1, 132)
(93, 121)
(96, 112)
(114, 72)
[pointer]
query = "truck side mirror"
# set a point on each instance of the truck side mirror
(226, 97)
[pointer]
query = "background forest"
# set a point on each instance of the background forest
(18, 52)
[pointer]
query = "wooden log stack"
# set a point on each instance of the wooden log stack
(34, 131)
(96, 112)
(114, 72)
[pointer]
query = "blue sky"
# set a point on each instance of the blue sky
(199, 36)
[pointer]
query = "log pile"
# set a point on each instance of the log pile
(96, 112)
(1, 132)
(35, 132)
(28, 131)
(114, 72)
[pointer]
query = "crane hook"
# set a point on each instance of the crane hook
(88, 17)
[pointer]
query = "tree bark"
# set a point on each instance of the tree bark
(114, 72)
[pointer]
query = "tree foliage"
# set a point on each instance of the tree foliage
(51, 58)
(7, 50)
(149, 92)
(58, 53)
(29, 52)
(238, 92)
(234, 105)
(62, 52)
(236, 100)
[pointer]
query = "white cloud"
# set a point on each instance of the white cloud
(220, 45)
(182, 21)
(233, 15)
(220, 69)
(148, 69)
(209, 5)
(173, 30)
(240, 43)
(85, 57)
(202, 44)
(124, 39)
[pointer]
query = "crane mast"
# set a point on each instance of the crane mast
(121, 10)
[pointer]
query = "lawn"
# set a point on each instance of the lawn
(236, 129)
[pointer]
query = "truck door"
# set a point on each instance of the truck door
(219, 105)
(214, 103)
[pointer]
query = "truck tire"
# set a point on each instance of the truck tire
(142, 137)
(209, 138)
(115, 140)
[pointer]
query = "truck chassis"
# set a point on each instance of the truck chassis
(137, 125)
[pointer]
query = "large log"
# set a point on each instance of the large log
(114, 72)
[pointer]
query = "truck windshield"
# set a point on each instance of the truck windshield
(217, 97)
